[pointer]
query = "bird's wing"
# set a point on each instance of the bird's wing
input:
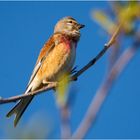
(42, 56)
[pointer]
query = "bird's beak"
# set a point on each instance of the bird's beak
(81, 26)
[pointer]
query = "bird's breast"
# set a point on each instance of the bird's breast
(60, 60)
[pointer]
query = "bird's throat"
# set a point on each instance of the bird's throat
(69, 42)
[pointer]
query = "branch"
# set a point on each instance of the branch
(101, 53)
(73, 78)
(104, 89)
(18, 97)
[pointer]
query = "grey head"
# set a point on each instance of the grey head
(69, 26)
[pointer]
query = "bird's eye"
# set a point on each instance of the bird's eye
(70, 21)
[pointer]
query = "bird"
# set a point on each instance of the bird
(56, 58)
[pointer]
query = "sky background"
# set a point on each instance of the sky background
(24, 28)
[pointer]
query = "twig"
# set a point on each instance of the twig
(103, 91)
(73, 78)
(18, 97)
(101, 53)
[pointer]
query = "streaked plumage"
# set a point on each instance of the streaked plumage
(56, 57)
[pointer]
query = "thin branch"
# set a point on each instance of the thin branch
(73, 78)
(103, 91)
(101, 53)
(18, 97)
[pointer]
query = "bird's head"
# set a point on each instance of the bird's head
(69, 26)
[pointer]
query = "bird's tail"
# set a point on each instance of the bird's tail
(19, 109)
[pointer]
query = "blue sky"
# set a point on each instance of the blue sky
(24, 28)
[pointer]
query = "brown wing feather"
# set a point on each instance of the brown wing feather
(43, 53)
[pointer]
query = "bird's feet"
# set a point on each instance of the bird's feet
(74, 70)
